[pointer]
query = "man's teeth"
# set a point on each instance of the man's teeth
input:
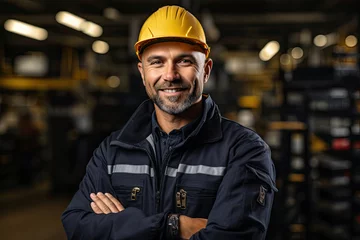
(171, 90)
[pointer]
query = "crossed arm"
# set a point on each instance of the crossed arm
(106, 204)
(236, 214)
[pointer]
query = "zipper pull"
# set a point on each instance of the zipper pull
(157, 198)
(178, 200)
(134, 191)
(183, 198)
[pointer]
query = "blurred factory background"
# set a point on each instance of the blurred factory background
(287, 68)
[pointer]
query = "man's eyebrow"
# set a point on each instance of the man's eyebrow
(180, 56)
(186, 55)
(151, 58)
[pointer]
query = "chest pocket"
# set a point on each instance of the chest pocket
(194, 201)
(130, 196)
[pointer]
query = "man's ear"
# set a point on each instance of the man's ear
(207, 69)
(141, 71)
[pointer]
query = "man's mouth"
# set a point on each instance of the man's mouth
(173, 90)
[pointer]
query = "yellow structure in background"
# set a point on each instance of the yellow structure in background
(249, 101)
(21, 83)
(287, 125)
(317, 144)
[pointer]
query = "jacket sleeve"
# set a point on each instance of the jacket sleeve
(80, 222)
(244, 200)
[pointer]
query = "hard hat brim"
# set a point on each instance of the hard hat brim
(141, 45)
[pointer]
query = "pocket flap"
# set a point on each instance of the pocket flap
(263, 176)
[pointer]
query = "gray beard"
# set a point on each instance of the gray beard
(179, 108)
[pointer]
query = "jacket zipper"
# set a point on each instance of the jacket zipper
(181, 199)
(163, 176)
(134, 192)
(156, 177)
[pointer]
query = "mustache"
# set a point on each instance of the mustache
(173, 84)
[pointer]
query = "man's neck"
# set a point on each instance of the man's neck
(169, 122)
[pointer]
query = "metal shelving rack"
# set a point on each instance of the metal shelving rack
(333, 117)
(336, 166)
(291, 216)
(321, 198)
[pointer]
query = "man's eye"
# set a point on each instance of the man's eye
(185, 61)
(155, 62)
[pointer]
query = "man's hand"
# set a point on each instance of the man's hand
(105, 203)
(189, 226)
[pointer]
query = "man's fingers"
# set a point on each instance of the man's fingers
(118, 205)
(109, 203)
(106, 203)
(95, 208)
(100, 204)
(189, 226)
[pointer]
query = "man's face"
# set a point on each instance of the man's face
(174, 75)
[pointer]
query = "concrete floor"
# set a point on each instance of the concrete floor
(31, 213)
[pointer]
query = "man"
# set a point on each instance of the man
(177, 169)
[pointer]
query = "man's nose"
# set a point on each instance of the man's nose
(171, 73)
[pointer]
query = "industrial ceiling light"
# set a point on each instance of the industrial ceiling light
(100, 47)
(285, 59)
(212, 32)
(351, 41)
(113, 81)
(91, 29)
(269, 50)
(79, 24)
(297, 53)
(111, 13)
(69, 20)
(320, 40)
(26, 29)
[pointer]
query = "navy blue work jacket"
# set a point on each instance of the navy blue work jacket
(222, 171)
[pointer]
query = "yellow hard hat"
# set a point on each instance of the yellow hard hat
(171, 23)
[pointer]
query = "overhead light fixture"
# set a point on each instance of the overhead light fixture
(351, 41)
(79, 24)
(212, 32)
(269, 50)
(111, 13)
(297, 53)
(91, 29)
(320, 40)
(113, 81)
(26, 29)
(285, 59)
(70, 20)
(100, 47)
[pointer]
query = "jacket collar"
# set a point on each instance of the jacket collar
(139, 126)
